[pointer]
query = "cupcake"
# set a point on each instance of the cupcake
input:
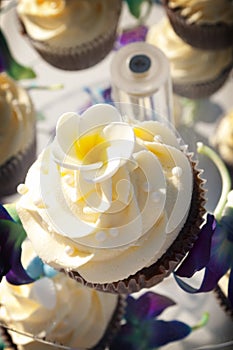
(72, 34)
(55, 310)
(222, 292)
(190, 79)
(204, 24)
(113, 202)
(17, 135)
(222, 139)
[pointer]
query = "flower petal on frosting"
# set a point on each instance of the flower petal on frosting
(98, 116)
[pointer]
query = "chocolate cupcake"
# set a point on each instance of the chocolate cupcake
(190, 79)
(55, 310)
(73, 34)
(207, 25)
(221, 293)
(17, 135)
(124, 206)
(222, 139)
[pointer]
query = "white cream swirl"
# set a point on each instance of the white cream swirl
(17, 126)
(59, 309)
(183, 58)
(204, 11)
(106, 193)
(66, 23)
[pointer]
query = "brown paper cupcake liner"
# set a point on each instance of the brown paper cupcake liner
(206, 37)
(202, 90)
(6, 338)
(83, 56)
(223, 301)
(14, 171)
(110, 333)
(154, 274)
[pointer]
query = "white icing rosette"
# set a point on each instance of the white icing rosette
(108, 196)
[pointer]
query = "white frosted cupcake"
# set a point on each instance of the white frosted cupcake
(114, 203)
(17, 134)
(190, 79)
(57, 310)
(73, 34)
(205, 24)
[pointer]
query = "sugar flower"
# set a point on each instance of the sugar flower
(213, 251)
(142, 330)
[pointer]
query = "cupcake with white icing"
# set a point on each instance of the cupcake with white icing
(205, 24)
(17, 134)
(70, 34)
(113, 202)
(55, 310)
(195, 73)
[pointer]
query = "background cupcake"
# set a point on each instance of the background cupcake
(204, 24)
(222, 139)
(70, 35)
(57, 310)
(17, 134)
(125, 220)
(191, 79)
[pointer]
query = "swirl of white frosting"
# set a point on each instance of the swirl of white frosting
(17, 119)
(183, 58)
(59, 309)
(204, 11)
(106, 192)
(66, 23)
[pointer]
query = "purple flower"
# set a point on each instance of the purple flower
(213, 251)
(142, 330)
(130, 36)
(12, 235)
(9, 64)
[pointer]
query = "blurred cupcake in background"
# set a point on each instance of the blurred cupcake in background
(70, 35)
(222, 139)
(191, 79)
(205, 24)
(17, 134)
(57, 310)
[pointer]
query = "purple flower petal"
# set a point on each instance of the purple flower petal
(148, 306)
(165, 332)
(11, 237)
(199, 255)
(4, 214)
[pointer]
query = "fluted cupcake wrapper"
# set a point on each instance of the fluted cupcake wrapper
(84, 55)
(203, 89)
(206, 37)
(223, 301)
(13, 172)
(154, 274)
(6, 338)
(110, 332)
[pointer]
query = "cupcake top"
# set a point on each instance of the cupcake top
(204, 11)
(108, 196)
(183, 58)
(56, 308)
(17, 118)
(223, 137)
(66, 23)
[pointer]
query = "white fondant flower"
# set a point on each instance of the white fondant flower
(96, 143)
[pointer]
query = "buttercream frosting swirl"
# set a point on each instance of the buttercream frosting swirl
(204, 11)
(106, 192)
(66, 23)
(17, 118)
(183, 58)
(57, 309)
